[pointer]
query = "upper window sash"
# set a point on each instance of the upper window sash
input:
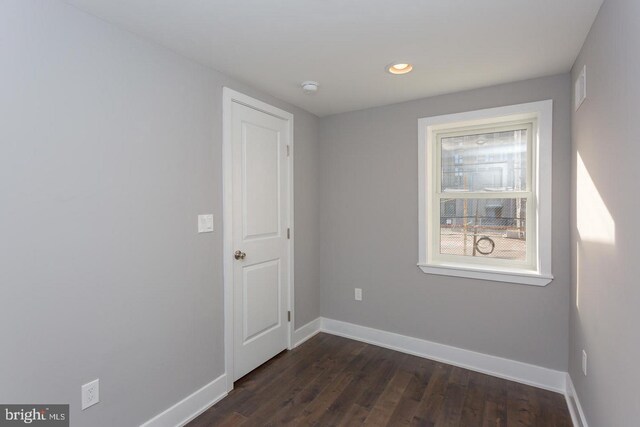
(528, 125)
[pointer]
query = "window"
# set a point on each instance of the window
(485, 194)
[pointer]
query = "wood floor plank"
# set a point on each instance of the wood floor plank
(282, 402)
(247, 390)
(421, 371)
(298, 402)
(284, 395)
(430, 405)
(359, 385)
(551, 409)
(495, 409)
(314, 410)
(454, 398)
(296, 369)
(519, 409)
(232, 420)
(473, 408)
(382, 410)
(335, 381)
(355, 416)
(378, 381)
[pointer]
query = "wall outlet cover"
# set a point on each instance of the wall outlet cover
(90, 394)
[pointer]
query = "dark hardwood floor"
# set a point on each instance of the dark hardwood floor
(334, 381)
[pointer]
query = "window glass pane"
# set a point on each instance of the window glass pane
(485, 162)
(489, 228)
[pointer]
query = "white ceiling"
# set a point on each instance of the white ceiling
(274, 45)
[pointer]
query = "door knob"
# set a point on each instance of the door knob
(239, 255)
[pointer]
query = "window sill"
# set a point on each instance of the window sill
(521, 277)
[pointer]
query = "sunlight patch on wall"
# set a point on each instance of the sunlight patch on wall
(595, 223)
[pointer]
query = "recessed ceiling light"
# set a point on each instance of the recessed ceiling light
(399, 68)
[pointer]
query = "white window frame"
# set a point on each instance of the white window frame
(537, 269)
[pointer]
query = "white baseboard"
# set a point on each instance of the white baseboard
(512, 370)
(191, 406)
(575, 408)
(307, 331)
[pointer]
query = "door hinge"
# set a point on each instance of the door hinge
(288, 151)
(289, 316)
(288, 233)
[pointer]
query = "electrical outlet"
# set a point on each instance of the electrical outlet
(584, 363)
(90, 394)
(358, 294)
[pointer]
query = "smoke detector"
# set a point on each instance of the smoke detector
(310, 87)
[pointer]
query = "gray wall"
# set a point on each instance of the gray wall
(605, 293)
(109, 148)
(306, 215)
(369, 239)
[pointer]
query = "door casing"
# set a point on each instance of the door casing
(229, 96)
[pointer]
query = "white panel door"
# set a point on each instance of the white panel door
(260, 241)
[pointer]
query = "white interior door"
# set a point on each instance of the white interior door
(260, 236)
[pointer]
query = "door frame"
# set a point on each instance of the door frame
(229, 96)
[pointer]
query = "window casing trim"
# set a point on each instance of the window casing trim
(537, 269)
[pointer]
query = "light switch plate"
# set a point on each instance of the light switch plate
(90, 394)
(358, 294)
(205, 223)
